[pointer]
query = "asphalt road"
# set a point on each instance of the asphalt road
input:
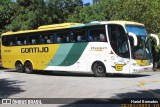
(78, 85)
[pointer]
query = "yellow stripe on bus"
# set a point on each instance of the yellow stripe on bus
(34, 54)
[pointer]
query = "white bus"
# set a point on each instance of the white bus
(99, 47)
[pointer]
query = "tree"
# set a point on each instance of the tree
(87, 14)
(143, 11)
(6, 12)
(96, 1)
(3, 2)
(29, 15)
(59, 10)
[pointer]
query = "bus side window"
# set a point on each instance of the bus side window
(90, 38)
(51, 39)
(97, 34)
(102, 38)
(48, 41)
(63, 37)
(48, 38)
(81, 37)
(33, 41)
(25, 42)
(59, 40)
(41, 40)
(12, 43)
(19, 42)
(68, 39)
(73, 37)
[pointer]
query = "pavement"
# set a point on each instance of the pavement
(65, 89)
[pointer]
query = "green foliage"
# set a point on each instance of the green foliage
(87, 13)
(29, 14)
(2, 2)
(155, 46)
(59, 10)
(143, 11)
(158, 47)
(154, 43)
(6, 12)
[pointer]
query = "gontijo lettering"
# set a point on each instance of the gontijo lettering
(35, 50)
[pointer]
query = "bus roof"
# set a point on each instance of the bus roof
(125, 23)
(70, 25)
(107, 22)
(42, 28)
(54, 26)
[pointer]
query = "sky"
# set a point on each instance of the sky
(87, 1)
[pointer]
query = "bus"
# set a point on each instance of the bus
(99, 47)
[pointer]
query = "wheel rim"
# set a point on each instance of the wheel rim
(100, 70)
(19, 67)
(28, 67)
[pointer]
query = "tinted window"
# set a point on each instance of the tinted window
(118, 40)
(97, 33)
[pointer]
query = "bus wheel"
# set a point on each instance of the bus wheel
(99, 69)
(28, 68)
(19, 67)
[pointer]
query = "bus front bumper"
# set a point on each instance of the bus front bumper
(141, 69)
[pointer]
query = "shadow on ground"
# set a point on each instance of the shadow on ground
(116, 101)
(81, 74)
(9, 87)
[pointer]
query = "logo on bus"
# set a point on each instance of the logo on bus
(119, 67)
(98, 48)
(35, 50)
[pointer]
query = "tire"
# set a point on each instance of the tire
(28, 68)
(19, 67)
(99, 70)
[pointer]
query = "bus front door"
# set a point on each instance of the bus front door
(120, 57)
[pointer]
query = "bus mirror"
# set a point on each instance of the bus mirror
(154, 36)
(134, 38)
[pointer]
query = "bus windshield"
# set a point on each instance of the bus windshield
(143, 48)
